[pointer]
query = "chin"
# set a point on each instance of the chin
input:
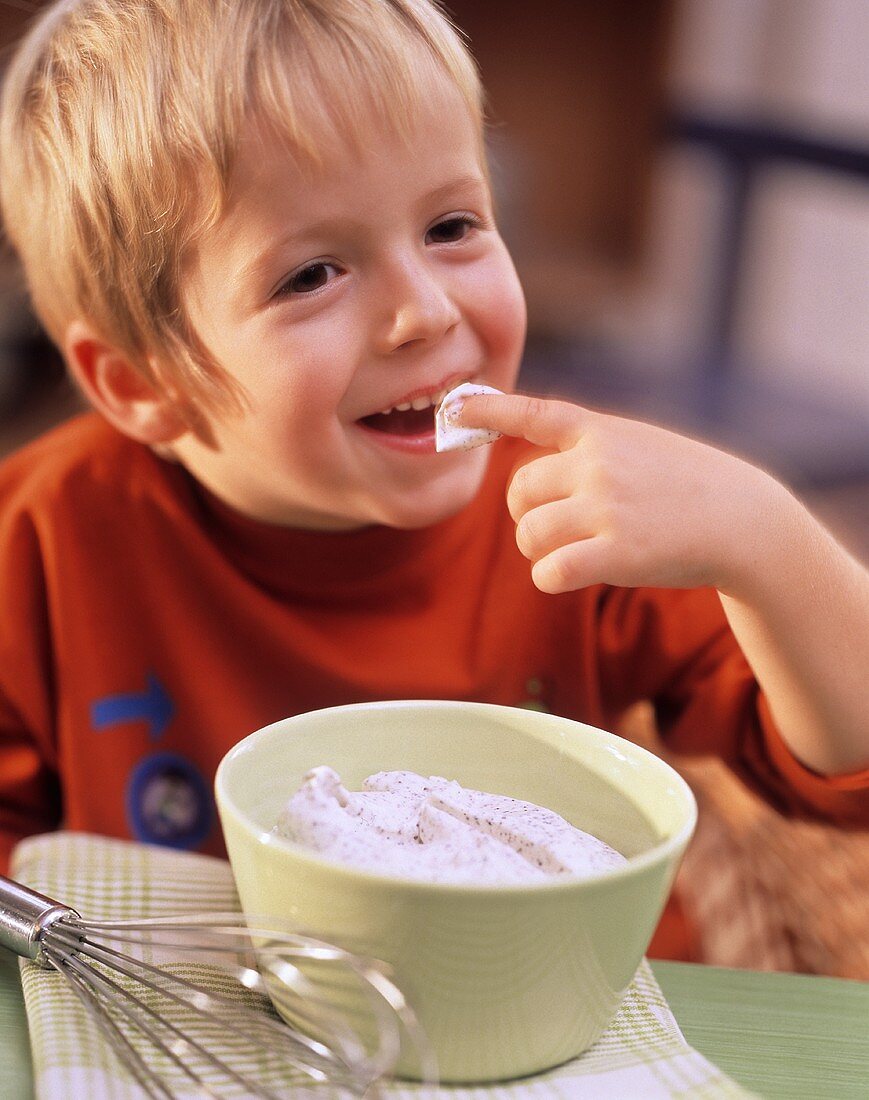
(436, 500)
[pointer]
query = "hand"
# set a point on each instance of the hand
(621, 502)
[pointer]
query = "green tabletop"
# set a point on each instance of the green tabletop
(781, 1035)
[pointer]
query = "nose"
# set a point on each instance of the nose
(419, 306)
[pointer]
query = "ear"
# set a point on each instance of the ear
(117, 389)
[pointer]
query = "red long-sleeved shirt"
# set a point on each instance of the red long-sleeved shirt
(146, 628)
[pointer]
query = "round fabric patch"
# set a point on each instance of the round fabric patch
(168, 802)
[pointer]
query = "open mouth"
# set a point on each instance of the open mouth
(406, 422)
(409, 419)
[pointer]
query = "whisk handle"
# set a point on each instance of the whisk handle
(25, 917)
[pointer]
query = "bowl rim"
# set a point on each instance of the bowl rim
(661, 852)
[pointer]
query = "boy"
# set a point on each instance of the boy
(262, 235)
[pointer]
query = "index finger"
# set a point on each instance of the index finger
(544, 422)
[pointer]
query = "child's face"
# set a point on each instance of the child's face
(334, 293)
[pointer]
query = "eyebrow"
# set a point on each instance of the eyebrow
(457, 184)
(262, 262)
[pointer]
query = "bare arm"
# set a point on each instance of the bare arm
(802, 621)
(617, 501)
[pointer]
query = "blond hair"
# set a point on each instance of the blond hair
(119, 126)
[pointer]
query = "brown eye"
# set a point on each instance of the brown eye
(308, 279)
(451, 230)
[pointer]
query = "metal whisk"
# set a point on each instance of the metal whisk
(189, 1002)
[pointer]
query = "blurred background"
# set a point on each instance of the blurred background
(685, 188)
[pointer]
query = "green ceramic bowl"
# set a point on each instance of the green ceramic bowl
(506, 980)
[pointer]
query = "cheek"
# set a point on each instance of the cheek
(290, 414)
(503, 314)
(304, 378)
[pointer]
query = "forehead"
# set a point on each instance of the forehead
(439, 138)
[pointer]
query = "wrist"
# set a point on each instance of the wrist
(775, 549)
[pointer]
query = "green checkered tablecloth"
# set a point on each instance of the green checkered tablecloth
(642, 1054)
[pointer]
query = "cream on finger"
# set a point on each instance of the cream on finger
(450, 436)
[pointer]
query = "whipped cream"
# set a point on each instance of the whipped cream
(449, 436)
(433, 829)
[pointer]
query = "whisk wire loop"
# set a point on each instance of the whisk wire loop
(119, 1000)
(274, 1009)
(275, 952)
(214, 1017)
(123, 1049)
(209, 1005)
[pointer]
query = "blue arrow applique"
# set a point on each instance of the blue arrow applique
(152, 705)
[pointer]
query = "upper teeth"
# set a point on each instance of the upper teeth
(419, 403)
